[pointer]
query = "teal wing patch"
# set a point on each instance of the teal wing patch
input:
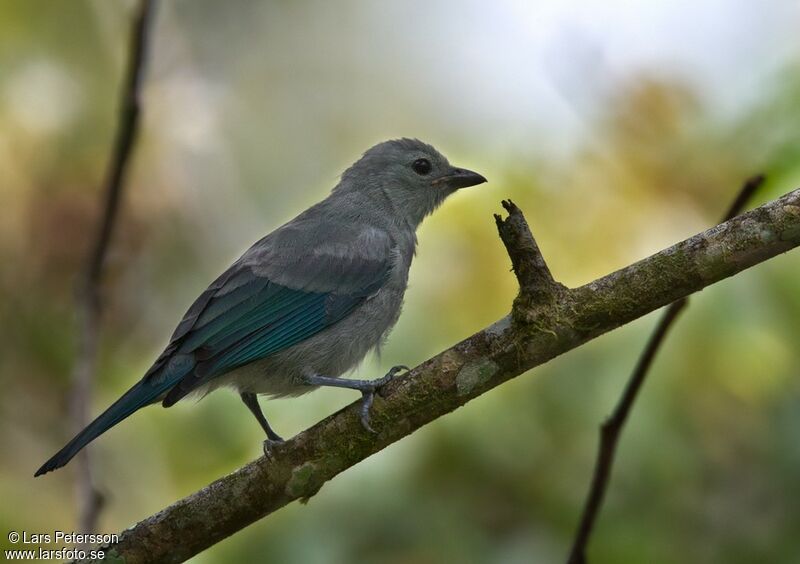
(246, 314)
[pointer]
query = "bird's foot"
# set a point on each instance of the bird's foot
(269, 446)
(369, 390)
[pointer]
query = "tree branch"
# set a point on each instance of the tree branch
(611, 429)
(536, 282)
(530, 336)
(87, 299)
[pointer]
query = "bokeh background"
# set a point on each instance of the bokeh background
(620, 127)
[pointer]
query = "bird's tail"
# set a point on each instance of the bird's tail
(143, 393)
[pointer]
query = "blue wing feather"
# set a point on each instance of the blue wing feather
(269, 305)
(262, 318)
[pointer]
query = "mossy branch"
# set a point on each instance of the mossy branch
(533, 334)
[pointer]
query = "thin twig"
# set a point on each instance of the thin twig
(611, 429)
(87, 299)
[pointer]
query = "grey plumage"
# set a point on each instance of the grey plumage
(306, 303)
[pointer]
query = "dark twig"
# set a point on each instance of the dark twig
(88, 292)
(750, 186)
(610, 432)
(611, 429)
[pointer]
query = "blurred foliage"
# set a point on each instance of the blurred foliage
(251, 109)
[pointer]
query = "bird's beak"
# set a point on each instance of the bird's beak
(459, 178)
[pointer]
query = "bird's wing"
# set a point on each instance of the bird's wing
(287, 287)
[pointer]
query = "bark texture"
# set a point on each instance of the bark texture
(547, 319)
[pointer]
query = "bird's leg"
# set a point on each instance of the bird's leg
(273, 438)
(366, 387)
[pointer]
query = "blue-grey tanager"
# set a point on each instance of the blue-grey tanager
(305, 304)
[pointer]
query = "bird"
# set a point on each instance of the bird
(306, 303)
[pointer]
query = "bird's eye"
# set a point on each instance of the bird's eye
(421, 166)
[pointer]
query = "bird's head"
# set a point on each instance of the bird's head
(412, 177)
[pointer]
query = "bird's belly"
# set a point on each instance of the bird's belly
(331, 352)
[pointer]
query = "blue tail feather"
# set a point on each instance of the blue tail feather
(143, 393)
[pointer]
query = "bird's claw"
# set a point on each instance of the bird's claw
(366, 404)
(368, 394)
(269, 445)
(389, 376)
